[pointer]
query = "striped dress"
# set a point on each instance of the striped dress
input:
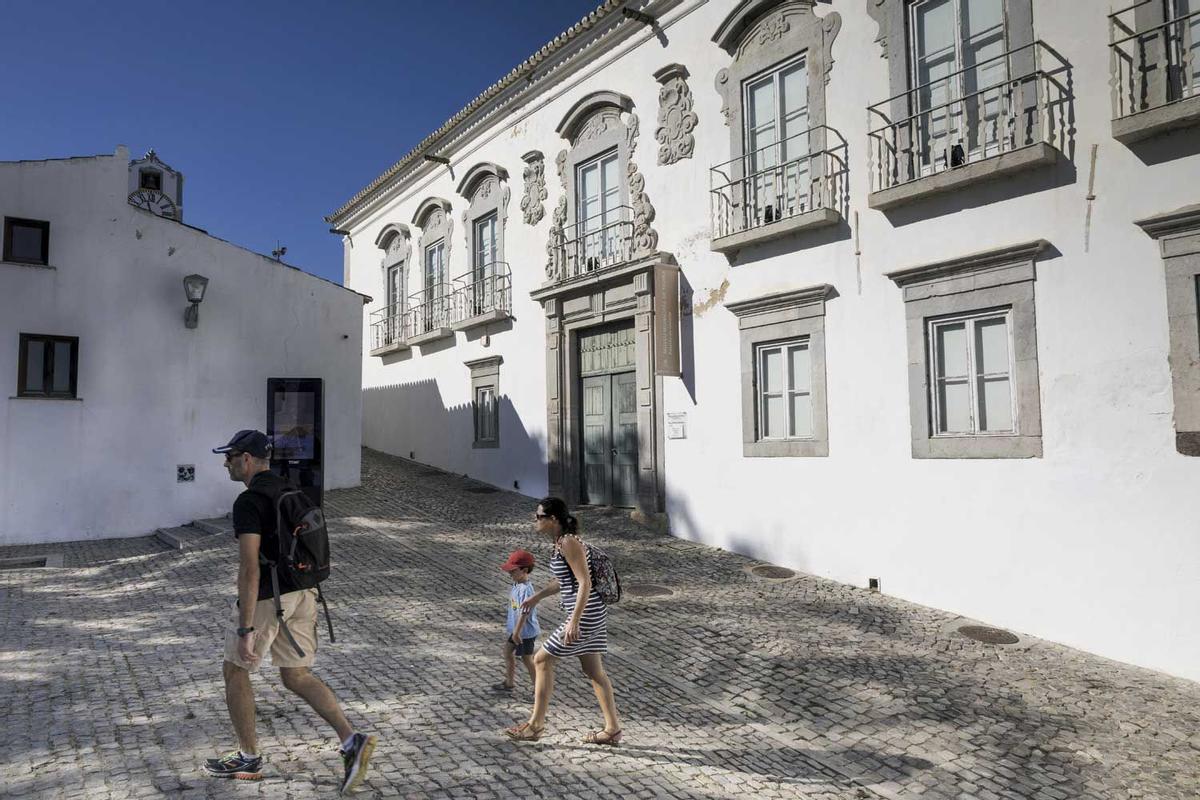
(593, 624)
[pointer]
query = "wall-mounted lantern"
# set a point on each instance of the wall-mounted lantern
(194, 287)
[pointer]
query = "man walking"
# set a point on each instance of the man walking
(255, 628)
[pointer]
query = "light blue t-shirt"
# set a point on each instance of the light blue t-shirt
(519, 593)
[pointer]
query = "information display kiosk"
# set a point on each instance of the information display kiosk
(296, 425)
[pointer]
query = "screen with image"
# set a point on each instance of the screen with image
(294, 436)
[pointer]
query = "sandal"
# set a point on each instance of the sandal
(524, 732)
(503, 687)
(603, 737)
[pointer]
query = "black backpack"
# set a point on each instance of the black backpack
(303, 553)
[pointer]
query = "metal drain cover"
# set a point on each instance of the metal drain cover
(646, 590)
(982, 633)
(773, 572)
(482, 489)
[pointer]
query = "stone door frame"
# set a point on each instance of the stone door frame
(622, 294)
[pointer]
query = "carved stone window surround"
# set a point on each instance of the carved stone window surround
(485, 372)
(485, 187)
(798, 314)
(395, 240)
(760, 35)
(437, 225)
(596, 124)
(1000, 278)
(1178, 236)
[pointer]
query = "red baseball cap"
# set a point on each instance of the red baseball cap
(518, 559)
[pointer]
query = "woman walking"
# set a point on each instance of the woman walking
(583, 634)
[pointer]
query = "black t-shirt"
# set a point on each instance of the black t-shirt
(255, 513)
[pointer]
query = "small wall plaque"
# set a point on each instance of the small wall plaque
(185, 473)
(677, 425)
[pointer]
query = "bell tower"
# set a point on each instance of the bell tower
(155, 187)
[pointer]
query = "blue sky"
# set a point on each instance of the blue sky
(276, 112)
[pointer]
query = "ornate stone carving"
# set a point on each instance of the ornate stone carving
(879, 11)
(676, 119)
(758, 43)
(554, 244)
(773, 29)
(535, 187)
(645, 238)
(721, 81)
(598, 125)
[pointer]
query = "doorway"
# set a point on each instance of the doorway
(608, 416)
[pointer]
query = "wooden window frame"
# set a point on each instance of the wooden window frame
(971, 320)
(49, 342)
(480, 413)
(784, 347)
(9, 223)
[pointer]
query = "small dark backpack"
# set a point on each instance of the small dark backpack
(604, 575)
(303, 554)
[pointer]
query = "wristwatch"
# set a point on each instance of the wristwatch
(243, 631)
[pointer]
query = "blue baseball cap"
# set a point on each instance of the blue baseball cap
(249, 441)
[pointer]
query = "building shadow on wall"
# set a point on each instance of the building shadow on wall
(1167, 147)
(412, 420)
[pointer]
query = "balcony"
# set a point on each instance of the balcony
(481, 296)
(594, 245)
(387, 330)
(945, 134)
(430, 314)
(794, 185)
(1155, 71)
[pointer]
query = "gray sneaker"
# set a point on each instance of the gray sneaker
(355, 760)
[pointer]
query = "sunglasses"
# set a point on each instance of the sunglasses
(542, 516)
(231, 456)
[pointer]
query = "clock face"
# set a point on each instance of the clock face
(153, 200)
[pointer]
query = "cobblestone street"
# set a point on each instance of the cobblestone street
(733, 685)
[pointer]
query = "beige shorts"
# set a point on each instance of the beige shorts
(300, 613)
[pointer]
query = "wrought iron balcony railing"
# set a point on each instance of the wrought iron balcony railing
(387, 326)
(483, 290)
(429, 310)
(1016, 99)
(1155, 65)
(594, 244)
(799, 174)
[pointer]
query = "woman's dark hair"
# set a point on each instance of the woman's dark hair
(556, 508)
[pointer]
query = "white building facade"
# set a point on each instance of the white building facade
(112, 404)
(890, 289)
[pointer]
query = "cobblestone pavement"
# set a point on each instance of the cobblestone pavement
(733, 686)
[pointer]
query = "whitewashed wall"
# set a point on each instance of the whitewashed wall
(153, 393)
(1093, 545)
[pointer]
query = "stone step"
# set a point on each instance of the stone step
(215, 525)
(181, 537)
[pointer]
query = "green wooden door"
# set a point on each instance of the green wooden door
(597, 440)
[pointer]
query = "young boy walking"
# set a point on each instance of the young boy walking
(521, 628)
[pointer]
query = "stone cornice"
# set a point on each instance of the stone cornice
(479, 363)
(808, 296)
(664, 74)
(975, 262)
(569, 125)
(743, 17)
(1181, 220)
(427, 205)
(479, 171)
(599, 32)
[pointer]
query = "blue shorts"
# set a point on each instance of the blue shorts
(525, 648)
